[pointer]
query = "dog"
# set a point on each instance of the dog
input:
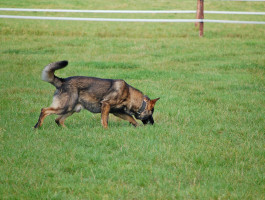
(97, 96)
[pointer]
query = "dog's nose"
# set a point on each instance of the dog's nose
(151, 120)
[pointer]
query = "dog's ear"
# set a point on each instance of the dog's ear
(153, 102)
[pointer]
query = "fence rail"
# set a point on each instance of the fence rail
(131, 20)
(131, 11)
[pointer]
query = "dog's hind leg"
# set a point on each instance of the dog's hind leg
(126, 117)
(46, 112)
(60, 120)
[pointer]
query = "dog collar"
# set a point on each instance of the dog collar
(142, 108)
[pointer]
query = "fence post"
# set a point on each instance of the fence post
(201, 16)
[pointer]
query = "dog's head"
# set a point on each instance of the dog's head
(146, 116)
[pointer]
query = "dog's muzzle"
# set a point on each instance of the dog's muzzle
(149, 120)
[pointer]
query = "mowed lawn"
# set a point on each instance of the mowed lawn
(208, 137)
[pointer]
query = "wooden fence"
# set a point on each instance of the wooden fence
(199, 21)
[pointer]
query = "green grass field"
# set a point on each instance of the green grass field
(208, 137)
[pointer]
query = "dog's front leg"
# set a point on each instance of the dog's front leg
(105, 108)
(127, 117)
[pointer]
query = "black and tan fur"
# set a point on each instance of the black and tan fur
(96, 95)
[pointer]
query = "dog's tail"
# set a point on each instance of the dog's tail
(48, 73)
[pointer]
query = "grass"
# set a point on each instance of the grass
(208, 137)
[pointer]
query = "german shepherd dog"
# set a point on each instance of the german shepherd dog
(96, 95)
